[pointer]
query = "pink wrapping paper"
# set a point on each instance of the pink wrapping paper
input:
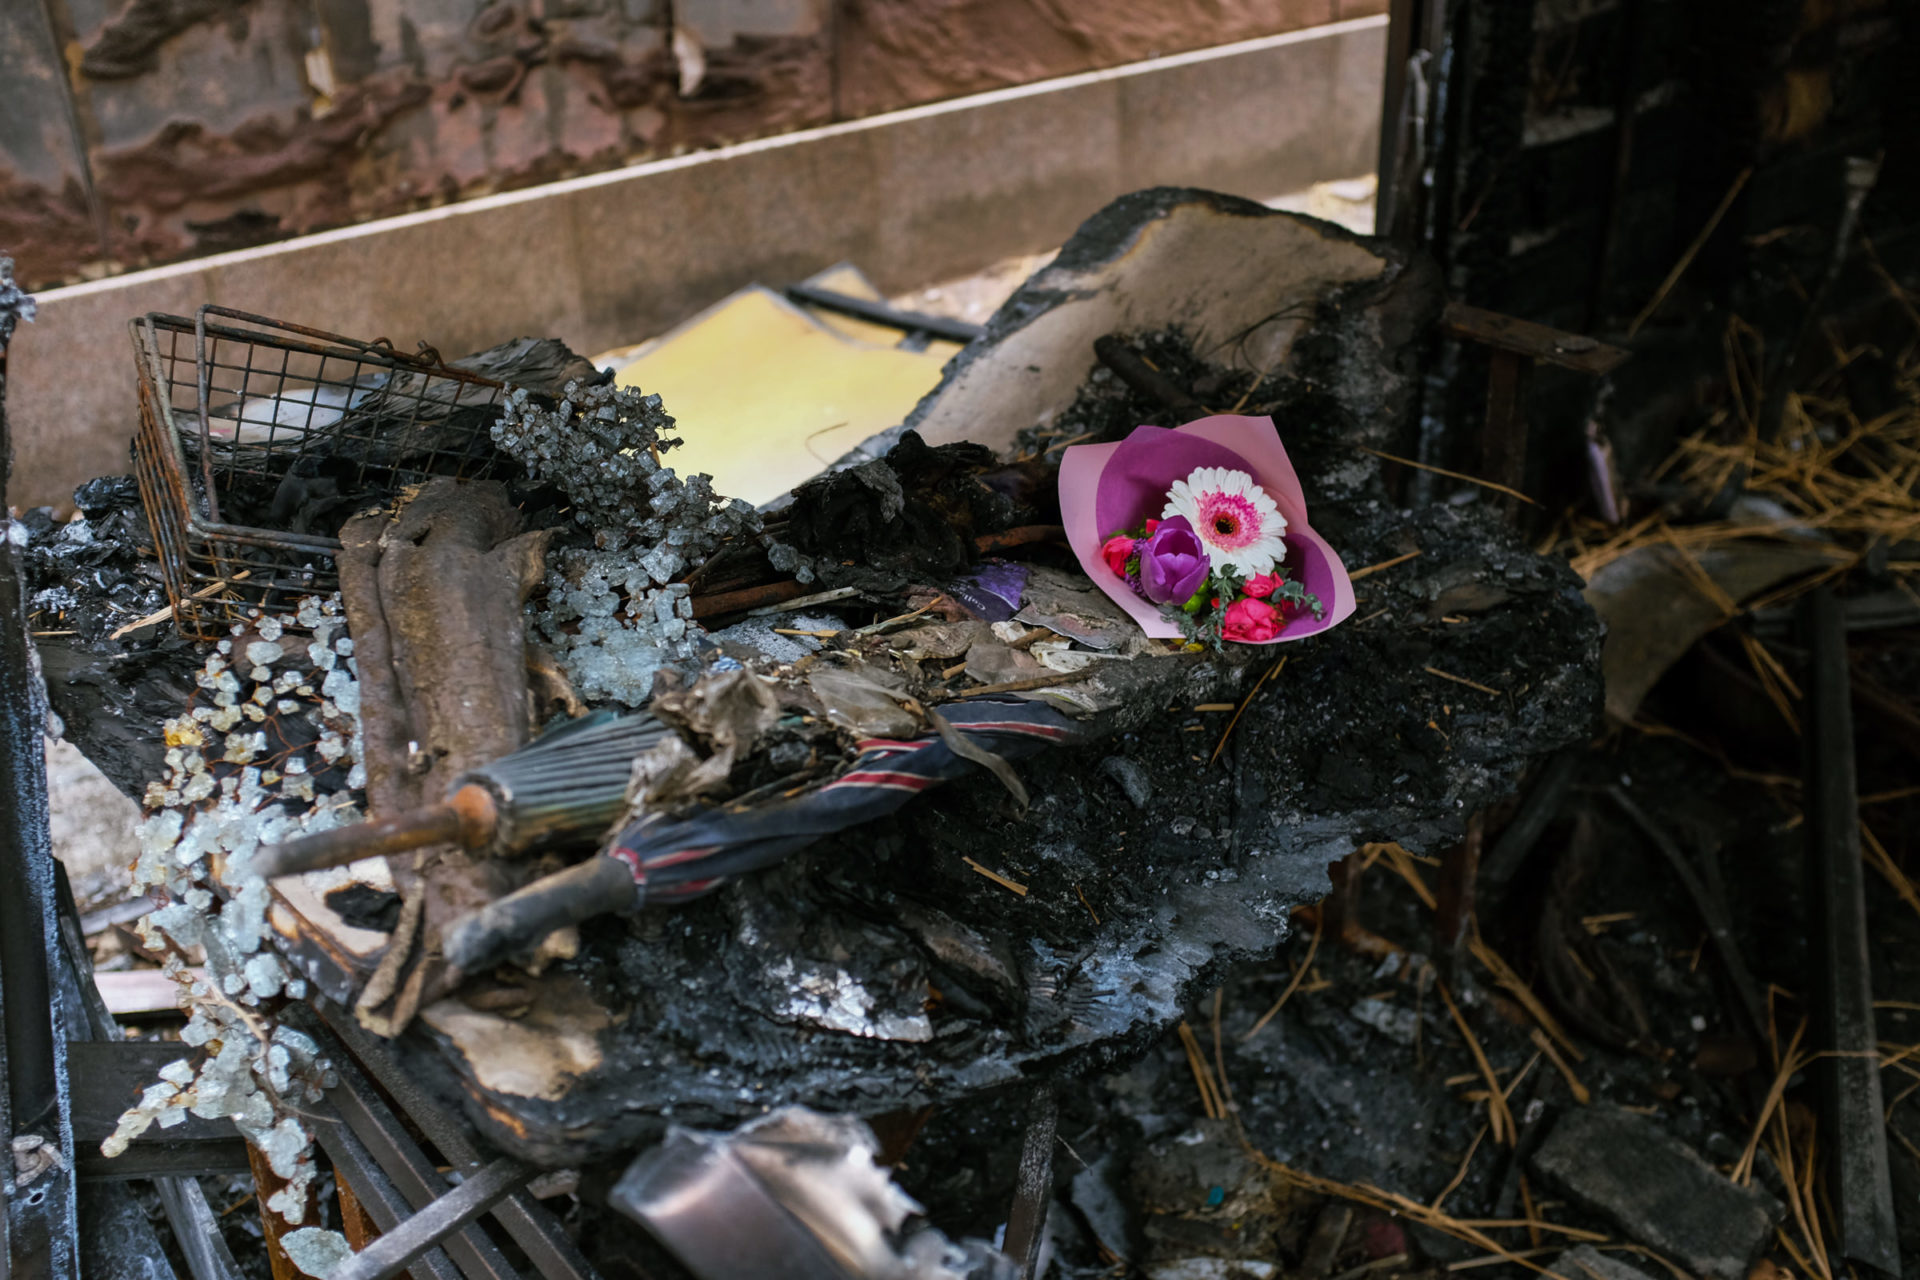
(1108, 487)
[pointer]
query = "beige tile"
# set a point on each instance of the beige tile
(960, 190)
(1255, 125)
(71, 390)
(659, 248)
(926, 195)
(459, 282)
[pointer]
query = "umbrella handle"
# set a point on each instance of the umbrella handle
(586, 889)
(467, 818)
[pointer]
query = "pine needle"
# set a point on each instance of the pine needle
(1202, 1073)
(1498, 1116)
(1372, 569)
(1451, 475)
(1246, 702)
(1319, 922)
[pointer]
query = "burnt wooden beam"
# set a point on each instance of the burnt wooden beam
(1454, 900)
(1516, 346)
(1503, 436)
(1033, 1186)
(1575, 351)
(387, 1256)
(1130, 368)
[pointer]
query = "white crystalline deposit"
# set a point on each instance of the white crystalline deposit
(317, 1252)
(613, 616)
(235, 781)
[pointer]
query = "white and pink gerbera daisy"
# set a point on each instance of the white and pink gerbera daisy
(1238, 523)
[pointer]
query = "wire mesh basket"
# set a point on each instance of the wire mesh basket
(255, 432)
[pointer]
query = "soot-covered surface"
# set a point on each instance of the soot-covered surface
(885, 969)
(881, 970)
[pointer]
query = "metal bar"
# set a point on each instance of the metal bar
(102, 1079)
(389, 1255)
(195, 1229)
(880, 313)
(106, 1076)
(352, 350)
(376, 1195)
(42, 1233)
(538, 1233)
(1840, 984)
(267, 1185)
(117, 1242)
(412, 1173)
(163, 1161)
(1033, 1187)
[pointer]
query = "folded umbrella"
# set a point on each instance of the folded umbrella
(566, 787)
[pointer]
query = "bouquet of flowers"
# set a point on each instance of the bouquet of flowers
(1201, 532)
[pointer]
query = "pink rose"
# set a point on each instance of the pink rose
(1151, 526)
(1263, 585)
(1117, 551)
(1251, 621)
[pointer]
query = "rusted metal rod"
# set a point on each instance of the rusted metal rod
(389, 1255)
(468, 818)
(747, 598)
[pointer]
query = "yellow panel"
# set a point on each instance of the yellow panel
(842, 278)
(765, 396)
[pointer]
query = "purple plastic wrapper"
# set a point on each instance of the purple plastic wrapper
(1105, 487)
(991, 592)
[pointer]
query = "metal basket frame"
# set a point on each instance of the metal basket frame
(218, 573)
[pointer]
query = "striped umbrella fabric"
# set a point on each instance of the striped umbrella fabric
(673, 861)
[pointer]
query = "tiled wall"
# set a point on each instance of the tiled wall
(140, 133)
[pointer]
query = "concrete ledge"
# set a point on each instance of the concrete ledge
(912, 197)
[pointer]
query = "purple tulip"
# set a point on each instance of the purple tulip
(1173, 564)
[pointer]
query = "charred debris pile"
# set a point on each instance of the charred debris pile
(606, 810)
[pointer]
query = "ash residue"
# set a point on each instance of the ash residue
(884, 916)
(88, 578)
(909, 517)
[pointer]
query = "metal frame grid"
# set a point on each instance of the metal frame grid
(231, 399)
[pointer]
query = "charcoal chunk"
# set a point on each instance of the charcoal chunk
(1657, 1190)
(1588, 1263)
(1131, 777)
